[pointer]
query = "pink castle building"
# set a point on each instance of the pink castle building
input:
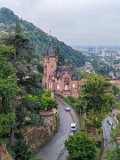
(60, 79)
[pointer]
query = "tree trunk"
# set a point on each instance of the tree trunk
(12, 136)
(15, 55)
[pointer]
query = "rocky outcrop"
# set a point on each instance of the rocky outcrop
(37, 136)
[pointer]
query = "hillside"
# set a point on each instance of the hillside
(39, 38)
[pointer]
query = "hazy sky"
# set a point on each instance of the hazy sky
(76, 22)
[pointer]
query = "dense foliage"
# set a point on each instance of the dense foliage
(96, 94)
(21, 93)
(21, 150)
(8, 87)
(47, 102)
(37, 37)
(81, 147)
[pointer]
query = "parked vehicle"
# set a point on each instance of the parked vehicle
(73, 127)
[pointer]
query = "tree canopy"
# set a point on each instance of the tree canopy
(8, 79)
(96, 93)
(81, 147)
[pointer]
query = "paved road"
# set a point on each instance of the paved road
(106, 131)
(107, 128)
(55, 149)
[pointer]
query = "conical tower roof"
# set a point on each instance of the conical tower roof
(50, 51)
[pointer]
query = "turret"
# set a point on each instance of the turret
(49, 65)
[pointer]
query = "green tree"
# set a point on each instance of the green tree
(48, 103)
(81, 147)
(103, 70)
(96, 94)
(70, 100)
(8, 88)
(111, 154)
(21, 150)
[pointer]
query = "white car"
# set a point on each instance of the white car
(73, 127)
(67, 108)
(109, 122)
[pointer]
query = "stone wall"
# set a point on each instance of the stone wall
(4, 155)
(37, 136)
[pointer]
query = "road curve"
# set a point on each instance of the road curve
(53, 148)
(107, 128)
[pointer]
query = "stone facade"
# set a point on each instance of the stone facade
(60, 79)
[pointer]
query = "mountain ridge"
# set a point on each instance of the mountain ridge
(39, 38)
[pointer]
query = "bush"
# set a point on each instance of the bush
(21, 150)
(81, 147)
(48, 103)
(70, 100)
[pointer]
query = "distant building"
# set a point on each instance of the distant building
(117, 66)
(87, 68)
(111, 75)
(115, 82)
(60, 79)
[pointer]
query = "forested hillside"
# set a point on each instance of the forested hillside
(22, 96)
(38, 38)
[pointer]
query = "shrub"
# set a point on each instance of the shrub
(48, 103)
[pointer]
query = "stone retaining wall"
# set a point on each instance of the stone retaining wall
(37, 136)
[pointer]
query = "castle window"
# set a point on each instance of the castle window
(49, 85)
(66, 86)
(45, 70)
(73, 85)
(58, 86)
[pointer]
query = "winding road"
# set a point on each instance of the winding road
(107, 128)
(55, 149)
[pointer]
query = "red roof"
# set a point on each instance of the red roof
(116, 82)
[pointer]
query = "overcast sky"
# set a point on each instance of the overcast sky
(76, 22)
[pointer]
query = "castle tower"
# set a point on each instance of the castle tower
(49, 65)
